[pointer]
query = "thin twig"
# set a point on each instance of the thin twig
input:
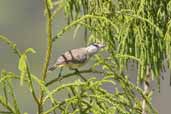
(18, 53)
(69, 95)
(79, 74)
(71, 74)
(7, 106)
(13, 97)
(5, 92)
(92, 90)
(31, 85)
(48, 53)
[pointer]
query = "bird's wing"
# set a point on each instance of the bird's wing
(79, 55)
(75, 56)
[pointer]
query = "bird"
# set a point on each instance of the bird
(75, 58)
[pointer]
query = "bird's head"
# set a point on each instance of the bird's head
(94, 48)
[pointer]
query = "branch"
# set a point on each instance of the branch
(48, 52)
(49, 48)
(71, 74)
(11, 45)
(61, 32)
(7, 106)
(18, 53)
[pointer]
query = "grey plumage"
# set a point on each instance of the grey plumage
(52, 68)
(76, 57)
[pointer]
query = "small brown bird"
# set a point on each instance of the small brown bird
(75, 58)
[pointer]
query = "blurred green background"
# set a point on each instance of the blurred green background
(23, 22)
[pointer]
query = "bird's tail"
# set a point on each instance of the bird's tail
(51, 68)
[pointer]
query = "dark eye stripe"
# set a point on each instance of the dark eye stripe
(96, 45)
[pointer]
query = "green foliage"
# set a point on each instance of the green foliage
(135, 28)
(137, 31)
(50, 3)
(8, 92)
(22, 66)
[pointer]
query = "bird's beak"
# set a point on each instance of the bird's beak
(102, 46)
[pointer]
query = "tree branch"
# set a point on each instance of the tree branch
(48, 53)
(71, 74)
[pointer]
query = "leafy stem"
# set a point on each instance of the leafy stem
(48, 52)
(18, 53)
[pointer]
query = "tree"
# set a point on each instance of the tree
(133, 31)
